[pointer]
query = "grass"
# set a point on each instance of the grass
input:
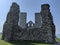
(2, 42)
(0, 36)
(58, 39)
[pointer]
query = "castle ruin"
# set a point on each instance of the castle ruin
(16, 28)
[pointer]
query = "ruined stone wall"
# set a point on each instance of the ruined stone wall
(44, 32)
(11, 23)
(47, 22)
(35, 34)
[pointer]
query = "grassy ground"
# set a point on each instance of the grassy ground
(58, 39)
(0, 36)
(2, 42)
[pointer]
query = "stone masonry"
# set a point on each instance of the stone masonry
(42, 30)
(11, 24)
(22, 20)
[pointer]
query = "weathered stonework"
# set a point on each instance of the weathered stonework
(42, 30)
(11, 23)
(47, 22)
(38, 20)
(22, 20)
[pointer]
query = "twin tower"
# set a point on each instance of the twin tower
(38, 18)
(30, 24)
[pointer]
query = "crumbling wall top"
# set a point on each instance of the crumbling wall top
(45, 6)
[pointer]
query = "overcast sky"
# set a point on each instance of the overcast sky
(31, 6)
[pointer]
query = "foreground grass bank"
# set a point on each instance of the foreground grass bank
(2, 42)
(21, 43)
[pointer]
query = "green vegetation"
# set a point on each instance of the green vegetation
(58, 39)
(0, 36)
(2, 42)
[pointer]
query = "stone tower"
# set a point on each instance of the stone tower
(47, 22)
(22, 19)
(38, 20)
(44, 21)
(11, 24)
